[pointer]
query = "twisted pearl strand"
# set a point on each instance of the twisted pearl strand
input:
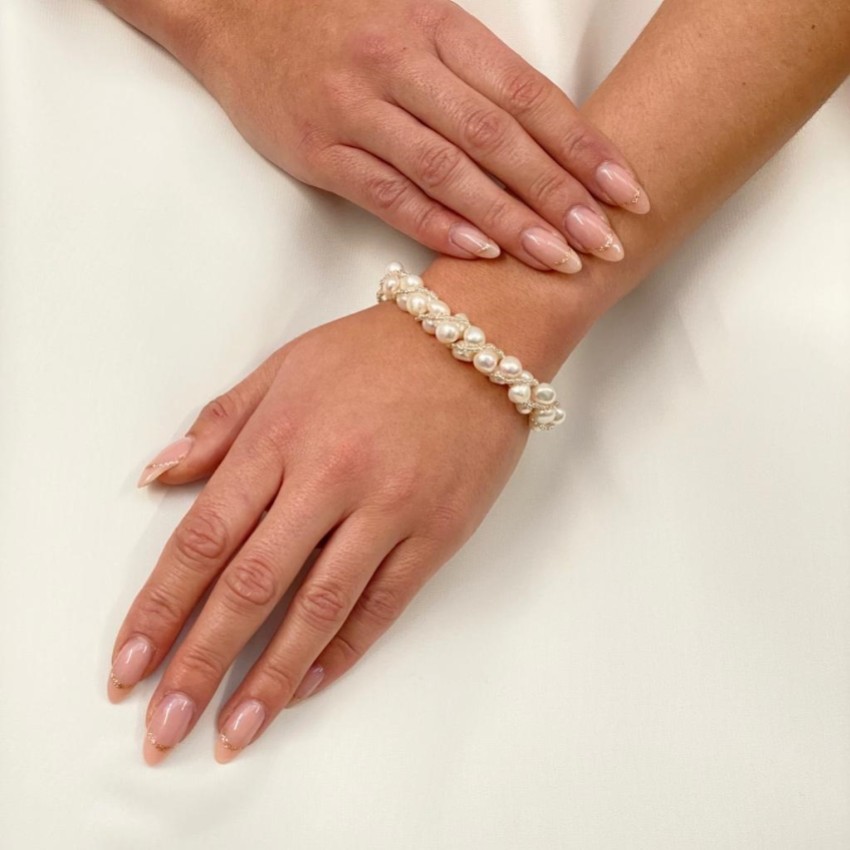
(469, 344)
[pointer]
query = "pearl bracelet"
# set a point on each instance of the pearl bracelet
(468, 343)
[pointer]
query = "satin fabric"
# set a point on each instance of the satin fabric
(646, 643)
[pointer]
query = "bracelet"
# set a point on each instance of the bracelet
(468, 343)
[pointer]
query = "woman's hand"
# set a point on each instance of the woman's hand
(364, 434)
(406, 107)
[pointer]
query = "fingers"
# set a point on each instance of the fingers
(245, 594)
(371, 183)
(219, 423)
(487, 64)
(223, 515)
(498, 143)
(327, 596)
(449, 176)
(394, 584)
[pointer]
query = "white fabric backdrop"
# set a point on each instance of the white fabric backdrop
(655, 657)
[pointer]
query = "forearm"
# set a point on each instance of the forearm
(707, 94)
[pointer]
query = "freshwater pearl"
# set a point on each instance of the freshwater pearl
(526, 377)
(544, 417)
(560, 416)
(417, 304)
(461, 354)
(525, 409)
(394, 268)
(391, 285)
(439, 308)
(401, 301)
(447, 332)
(544, 393)
(429, 325)
(484, 362)
(519, 393)
(474, 336)
(510, 366)
(412, 281)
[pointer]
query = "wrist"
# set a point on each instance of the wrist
(537, 316)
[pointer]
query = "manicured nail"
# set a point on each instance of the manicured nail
(622, 188)
(130, 664)
(474, 241)
(593, 235)
(309, 683)
(549, 249)
(167, 459)
(168, 726)
(240, 729)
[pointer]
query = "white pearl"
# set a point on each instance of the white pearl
(395, 268)
(447, 332)
(417, 304)
(413, 280)
(560, 416)
(461, 354)
(526, 377)
(429, 326)
(401, 301)
(525, 409)
(391, 284)
(544, 417)
(439, 308)
(484, 362)
(474, 336)
(510, 366)
(544, 393)
(519, 393)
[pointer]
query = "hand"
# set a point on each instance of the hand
(364, 433)
(406, 107)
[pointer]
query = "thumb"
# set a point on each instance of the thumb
(201, 450)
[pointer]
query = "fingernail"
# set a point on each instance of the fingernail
(167, 459)
(593, 235)
(129, 666)
(309, 683)
(240, 729)
(550, 250)
(622, 188)
(168, 726)
(474, 241)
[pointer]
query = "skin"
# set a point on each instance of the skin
(399, 507)
(381, 102)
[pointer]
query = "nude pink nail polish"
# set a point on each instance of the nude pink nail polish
(309, 683)
(167, 459)
(240, 729)
(551, 250)
(168, 726)
(592, 235)
(474, 241)
(622, 188)
(129, 667)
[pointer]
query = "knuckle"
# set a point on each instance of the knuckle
(200, 540)
(347, 651)
(495, 215)
(159, 610)
(438, 164)
(579, 144)
(323, 603)
(386, 192)
(549, 188)
(382, 604)
(374, 47)
(199, 663)
(525, 90)
(280, 678)
(348, 459)
(484, 129)
(251, 581)
(220, 409)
